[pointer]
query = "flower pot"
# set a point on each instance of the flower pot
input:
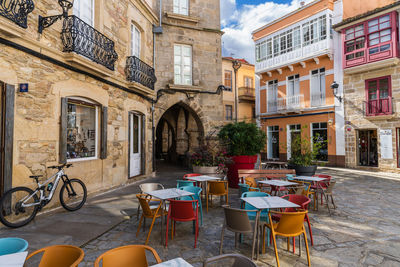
(206, 170)
(239, 163)
(305, 170)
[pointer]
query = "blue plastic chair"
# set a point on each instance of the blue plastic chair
(290, 177)
(243, 188)
(252, 214)
(180, 183)
(10, 245)
(197, 191)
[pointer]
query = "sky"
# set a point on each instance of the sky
(240, 17)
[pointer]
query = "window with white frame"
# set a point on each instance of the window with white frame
(181, 7)
(248, 82)
(273, 142)
(272, 95)
(317, 87)
(183, 64)
(82, 129)
(293, 85)
(84, 9)
(276, 46)
(320, 136)
(135, 41)
(314, 30)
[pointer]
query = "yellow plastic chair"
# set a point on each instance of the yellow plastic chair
(217, 188)
(131, 255)
(291, 224)
(148, 212)
(59, 255)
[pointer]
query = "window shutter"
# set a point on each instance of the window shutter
(63, 131)
(103, 145)
(8, 125)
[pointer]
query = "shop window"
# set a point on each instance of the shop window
(367, 143)
(320, 136)
(378, 96)
(228, 80)
(273, 142)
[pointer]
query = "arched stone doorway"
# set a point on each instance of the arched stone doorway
(179, 132)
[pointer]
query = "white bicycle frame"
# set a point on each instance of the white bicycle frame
(41, 187)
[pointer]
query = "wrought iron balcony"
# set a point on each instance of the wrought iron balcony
(138, 71)
(79, 37)
(378, 107)
(17, 10)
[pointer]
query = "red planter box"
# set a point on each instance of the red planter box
(240, 163)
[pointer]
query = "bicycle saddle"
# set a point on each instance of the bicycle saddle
(35, 176)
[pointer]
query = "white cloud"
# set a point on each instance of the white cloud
(238, 24)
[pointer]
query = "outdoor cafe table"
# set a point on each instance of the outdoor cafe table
(277, 183)
(273, 164)
(204, 180)
(262, 203)
(178, 262)
(311, 179)
(14, 259)
(165, 194)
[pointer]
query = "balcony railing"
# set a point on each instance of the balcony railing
(272, 106)
(378, 107)
(17, 10)
(79, 37)
(291, 103)
(317, 99)
(246, 93)
(138, 71)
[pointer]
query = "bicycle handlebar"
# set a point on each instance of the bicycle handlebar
(59, 167)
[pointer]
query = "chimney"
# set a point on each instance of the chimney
(302, 3)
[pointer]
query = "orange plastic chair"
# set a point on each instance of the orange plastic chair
(131, 255)
(217, 188)
(291, 224)
(148, 212)
(59, 255)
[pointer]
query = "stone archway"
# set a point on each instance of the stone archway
(179, 133)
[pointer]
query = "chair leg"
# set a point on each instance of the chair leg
(138, 212)
(327, 204)
(276, 250)
(196, 232)
(207, 202)
(166, 232)
(222, 240)
(236, 238)
(254, 242)
(294, 245)
(300, 245)
(151, 228)
(140, 224)
(334, 206)
(172, 229)
(288, 244)
(307, 250)
(263, 240)
(309, 229)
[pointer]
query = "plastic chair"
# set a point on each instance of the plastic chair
(243, 188)
(237, 221)
(182, 211)
(180, 183)
(328, 192)
(59, 255)
(188, 175)
(148, 212)
(291, 224)
(148, 187)
(323, 184)
(239, 261)
(217, 188)
(197, 191)
(131, 255)
(10, 245)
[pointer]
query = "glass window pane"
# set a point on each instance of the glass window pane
(385, 47)
(136, 127)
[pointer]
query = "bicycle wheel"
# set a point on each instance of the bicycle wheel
(73, 194)
(12, 214)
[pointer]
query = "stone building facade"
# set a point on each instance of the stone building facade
(95, 89)
(371, 84)
(188, 60)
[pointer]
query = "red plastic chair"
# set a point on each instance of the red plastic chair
(183, 211)
(321, 185)
(188, 175)
(303, 202)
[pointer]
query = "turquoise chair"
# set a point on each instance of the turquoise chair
(10, 245)
(243, 188)
(290, 177)
(197, 191)
(252, 214)
(180, 183)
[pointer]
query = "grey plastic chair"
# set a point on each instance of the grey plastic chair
(328, 192)
(238, 261)
(237, 221)
(148, 187)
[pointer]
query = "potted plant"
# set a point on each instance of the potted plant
(243, 142)
(211, 160)
(304, 154)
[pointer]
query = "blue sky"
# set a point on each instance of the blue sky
(240, 17)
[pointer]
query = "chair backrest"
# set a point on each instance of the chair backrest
(144, 203)
(132, 255)
(300, 200)
(264, 173)
(180, 183)
(222, 260)
(183, 209)
(191, 175)
(323, 176)
(291, 222)
(251, 181)
(148, 187)
(330, 186)
(243, 188)
(9, 245)
(193, 189)
(236, 220)
(217, 187)
(290, 176)
(60, 256)
(247, 206)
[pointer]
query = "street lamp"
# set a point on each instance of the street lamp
(334, 87)
(236, 64)
(45, 22)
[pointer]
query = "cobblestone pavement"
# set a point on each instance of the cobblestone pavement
(364, 230)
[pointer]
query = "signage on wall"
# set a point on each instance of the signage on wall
(23, 87)
(386, 142)
(348, 128)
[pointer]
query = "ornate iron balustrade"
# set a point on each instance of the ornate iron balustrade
(79, 37)
(138, 71)
(17, 10)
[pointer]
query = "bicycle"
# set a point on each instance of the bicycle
(19, 205)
